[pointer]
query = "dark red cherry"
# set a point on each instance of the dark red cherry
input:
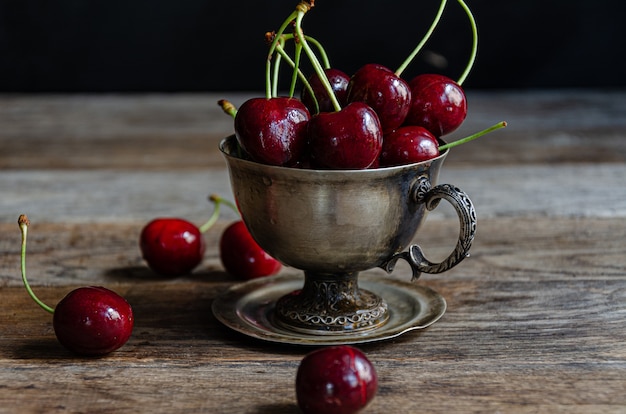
(388, 94)
(408, 144)
(346, 139)
(242, 257)
(171, 246)
(89, 320)
(438, 104)
(335, 380)
(93, 321)
(339, 83)
(272, 131)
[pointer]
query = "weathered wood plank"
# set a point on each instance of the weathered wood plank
(181, 131)
(535, 322)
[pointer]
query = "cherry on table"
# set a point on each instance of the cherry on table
(335, 380)
(241, 255)
(171, 246)
(88, 321)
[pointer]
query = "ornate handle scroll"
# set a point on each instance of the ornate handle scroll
(431, 196)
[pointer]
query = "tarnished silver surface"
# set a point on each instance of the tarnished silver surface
(333, 223)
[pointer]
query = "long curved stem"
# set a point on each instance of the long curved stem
(317, 67)
(270, 53)
(474, 51)
(23, 223)
(421, 44)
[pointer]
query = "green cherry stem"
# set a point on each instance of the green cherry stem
(317, 67)
(272, 48)
(472, 59)
(297, 72)
(421, 44)
(473, 136)
(23, 223)
(217, 201)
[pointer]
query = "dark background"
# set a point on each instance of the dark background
(208, 45)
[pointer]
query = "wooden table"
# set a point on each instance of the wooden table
(536, 318)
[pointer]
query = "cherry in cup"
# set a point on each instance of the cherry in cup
(335, 380)
(90, 320)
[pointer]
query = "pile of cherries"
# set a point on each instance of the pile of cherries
(371, 119)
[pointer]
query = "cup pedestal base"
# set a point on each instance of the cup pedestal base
(331, 304)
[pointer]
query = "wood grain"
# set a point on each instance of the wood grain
(536, 321)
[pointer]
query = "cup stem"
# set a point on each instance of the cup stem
(331, 303)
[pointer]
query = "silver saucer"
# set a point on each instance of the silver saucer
(248, 308)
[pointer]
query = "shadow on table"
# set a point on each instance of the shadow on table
(277, 409)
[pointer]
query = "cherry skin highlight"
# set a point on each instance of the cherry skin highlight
(272, 131)
(242, 257)
(339, 84)
(93, 321)
(335, 380)
(347, 139)
(171, 246)
(438, 104)
(407, 145)
(388, 94)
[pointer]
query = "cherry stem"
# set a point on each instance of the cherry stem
(473, 136)
(299, 74)
(421, 44)
(276, 69)
(217, 201)
(472, 59)
(270, 53)
(227, 107)
(23, 223)
(317, 67)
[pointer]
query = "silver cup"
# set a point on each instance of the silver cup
(332, 224)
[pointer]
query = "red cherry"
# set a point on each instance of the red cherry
(438, 104)
(242, 257)
(171, 246)
(89, 320)
(339, 83)
(93, 321)
(335, 380)
(346, 139)
(407, 145)
(272, 131)
(388, 94)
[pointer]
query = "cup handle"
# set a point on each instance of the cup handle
(423, 192)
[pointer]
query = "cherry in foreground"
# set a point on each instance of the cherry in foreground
(335, 380)
(90, 320)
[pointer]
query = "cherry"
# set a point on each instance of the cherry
(438, 104)
(242, 257)
(171, 246)
(272, 130)
(407, 145)
(383, 90)
(335, 380)
(339, 82)
(93, 320)
(90, 320)
(347, 139)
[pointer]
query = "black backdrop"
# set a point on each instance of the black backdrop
(209, 45)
